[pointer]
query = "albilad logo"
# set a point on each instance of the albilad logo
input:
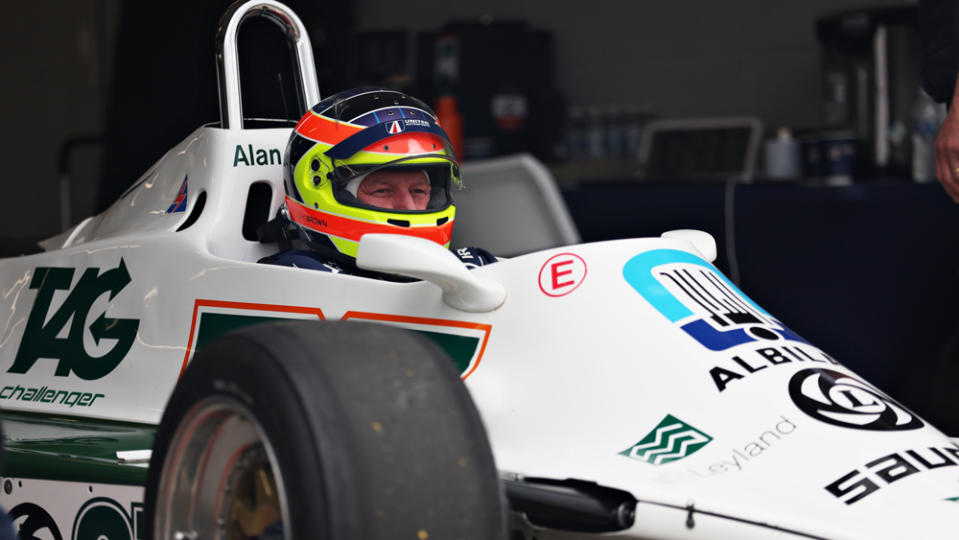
(695, 296)
(669, 441)
(41, 340)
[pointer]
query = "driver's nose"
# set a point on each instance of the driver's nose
(403, 200)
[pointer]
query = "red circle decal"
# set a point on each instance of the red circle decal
(561, 274)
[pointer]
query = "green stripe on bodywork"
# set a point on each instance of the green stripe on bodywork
(460, 349)
(213, 325)
(49, 447)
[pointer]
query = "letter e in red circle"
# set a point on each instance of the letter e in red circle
(561, 274)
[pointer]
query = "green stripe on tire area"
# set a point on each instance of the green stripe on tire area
(459, 348)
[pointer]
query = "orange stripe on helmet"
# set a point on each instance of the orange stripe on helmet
(319, 128)
(409, 143)
(352, 229)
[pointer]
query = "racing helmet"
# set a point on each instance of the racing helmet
(349, 136)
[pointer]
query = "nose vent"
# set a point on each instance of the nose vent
(398, 222)
(442, 220)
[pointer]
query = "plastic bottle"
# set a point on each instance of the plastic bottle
(782, 155)
(926, 118)
(449, 117)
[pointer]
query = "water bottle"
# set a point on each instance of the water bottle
(782, 155)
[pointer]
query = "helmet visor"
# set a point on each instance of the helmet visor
(410, 184)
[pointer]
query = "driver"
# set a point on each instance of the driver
(367, 160)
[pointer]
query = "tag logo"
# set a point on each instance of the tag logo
(690, 292)
(669, 441)
(41, 340)
(395, 127)
(841, 400)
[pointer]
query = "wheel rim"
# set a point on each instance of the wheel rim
(220, 478)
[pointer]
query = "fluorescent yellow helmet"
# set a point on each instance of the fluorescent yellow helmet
(347, 141)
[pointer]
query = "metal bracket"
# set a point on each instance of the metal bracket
(228, 68)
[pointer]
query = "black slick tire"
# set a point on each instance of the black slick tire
(374, 435)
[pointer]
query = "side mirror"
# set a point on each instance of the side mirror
(422, 259)
(704, 242)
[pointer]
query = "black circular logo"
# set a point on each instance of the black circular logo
(33, 522)
(842, 400)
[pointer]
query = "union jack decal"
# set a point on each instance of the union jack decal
(179, 204)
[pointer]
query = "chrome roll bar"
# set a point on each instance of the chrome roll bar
(228, 68)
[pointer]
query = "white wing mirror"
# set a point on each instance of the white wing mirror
(704, 242)
(422, 259)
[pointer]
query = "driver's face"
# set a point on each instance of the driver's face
(399, 190)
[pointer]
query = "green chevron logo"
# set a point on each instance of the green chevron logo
(669, 441)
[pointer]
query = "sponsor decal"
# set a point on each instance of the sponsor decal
(743, 454)
(100, 517)
(75, 510)
(45, 394)
(671, 440)
(256, 156)
(105, 518)
(417, 122)
(691, 293)
(179, 203)
(562, 274)
(42, 335)
(839, 399)
(878, 473)
(747, 363)
(32, 521)
(509, 110)
(394, 127)
(320, 223)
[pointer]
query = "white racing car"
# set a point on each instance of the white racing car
(157, 382)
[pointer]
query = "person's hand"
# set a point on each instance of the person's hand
(947, 152)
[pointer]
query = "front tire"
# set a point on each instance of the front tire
(322, 430)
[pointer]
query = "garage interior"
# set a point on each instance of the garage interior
(650, 117)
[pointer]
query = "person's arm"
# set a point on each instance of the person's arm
(947, 149)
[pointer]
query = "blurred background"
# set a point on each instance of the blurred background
(794, 132)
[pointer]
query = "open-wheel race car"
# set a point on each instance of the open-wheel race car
(159, 382)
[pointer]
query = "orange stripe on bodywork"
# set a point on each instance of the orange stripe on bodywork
(485, 328)
(249, 306)
(325, 130)
(353, 229)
